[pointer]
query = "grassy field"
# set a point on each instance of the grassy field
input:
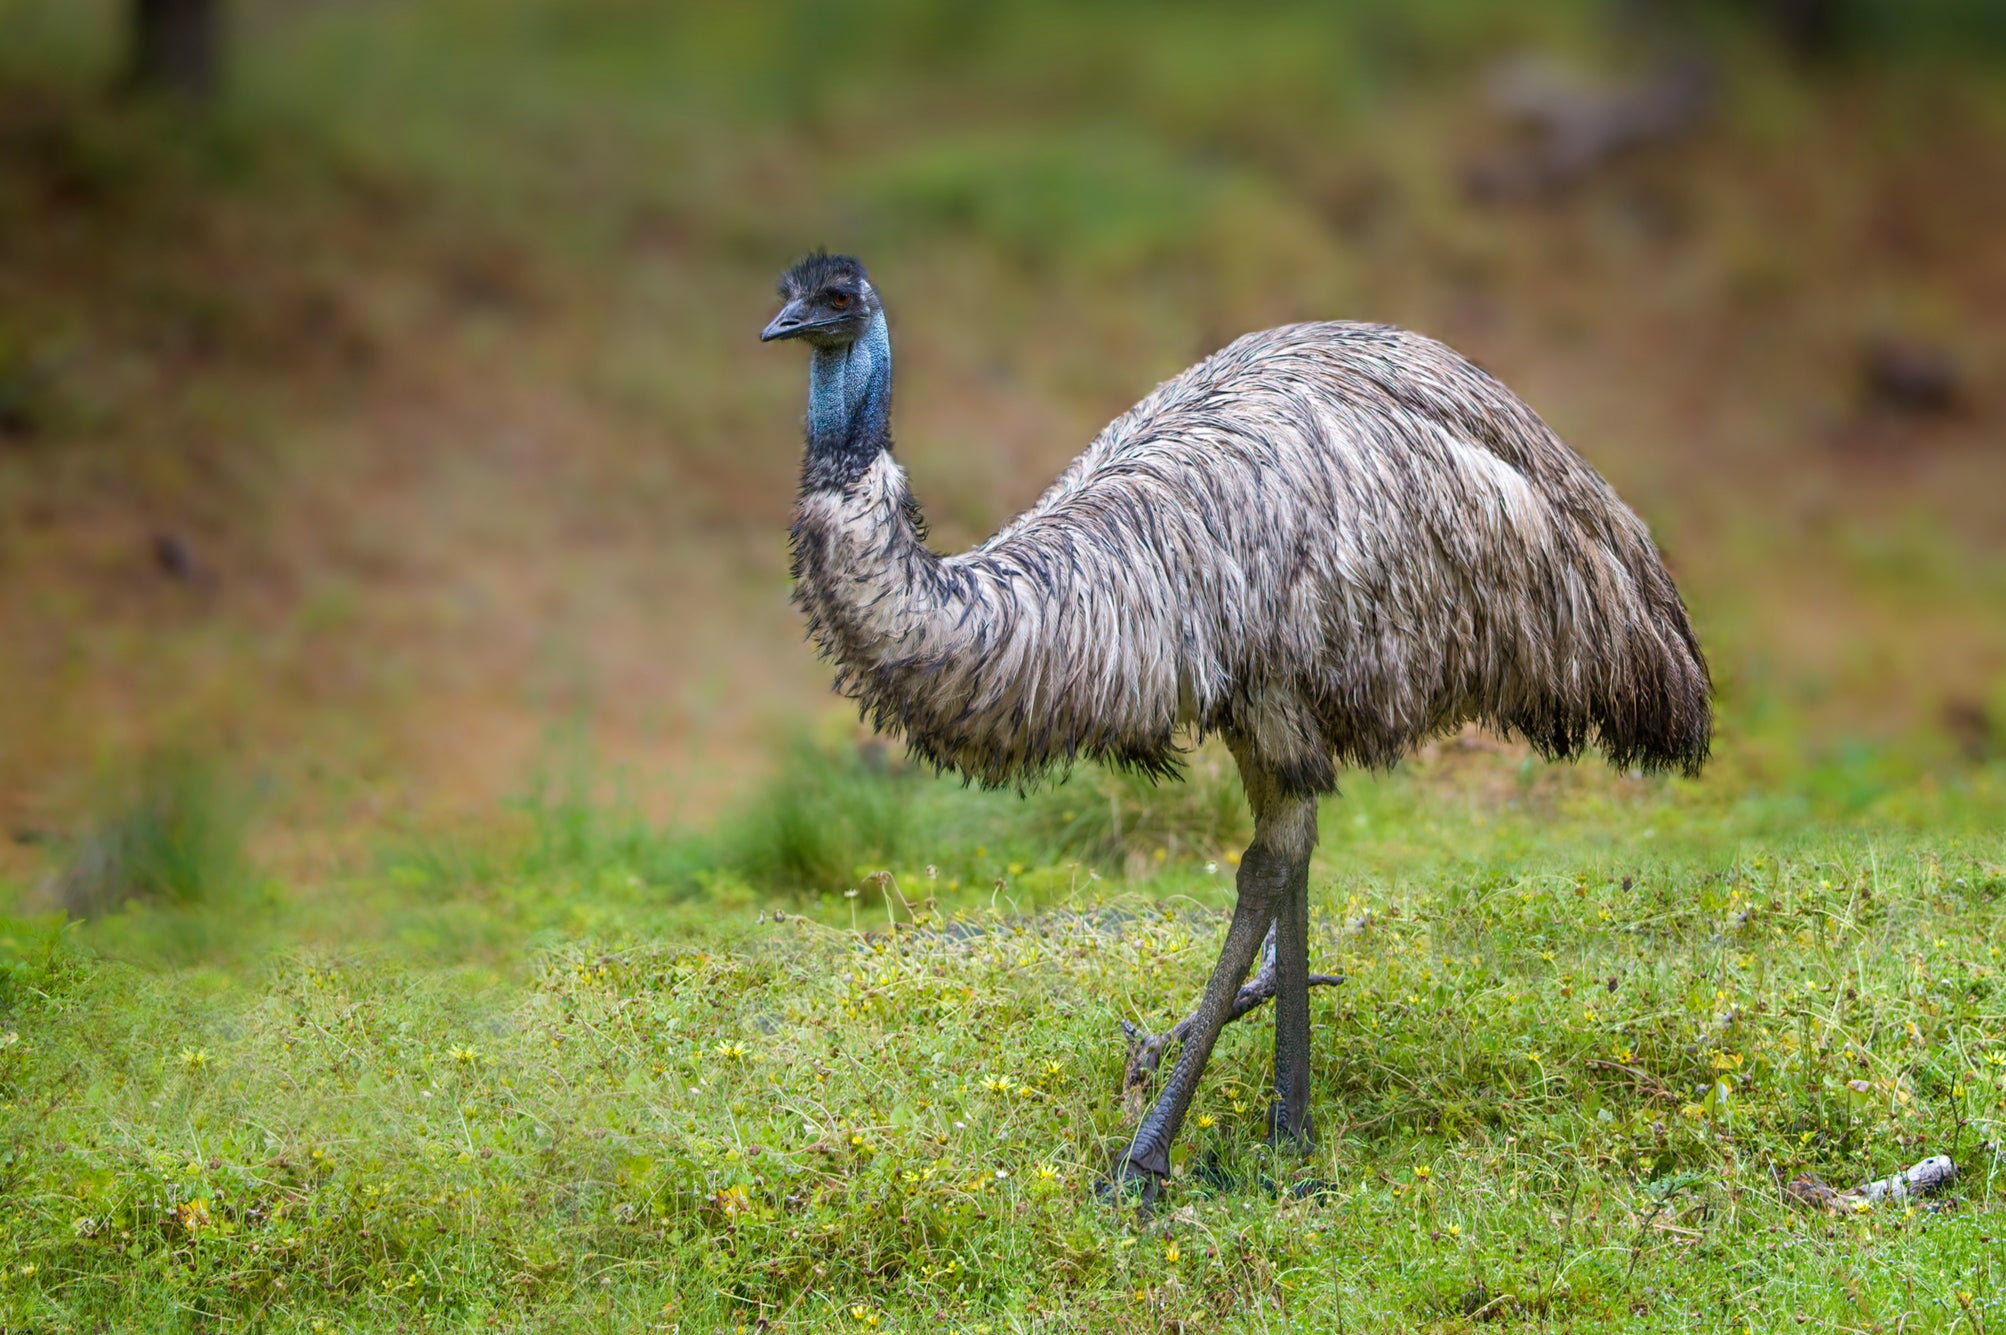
(608, 1079)
(420, 916)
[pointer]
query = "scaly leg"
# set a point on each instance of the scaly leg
(1262, 883)
(1289, 1119)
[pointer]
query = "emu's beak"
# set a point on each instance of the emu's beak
(788, 324)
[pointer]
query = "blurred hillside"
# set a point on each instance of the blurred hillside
(396, 424)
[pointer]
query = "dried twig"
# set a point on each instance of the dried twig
(1922, 1179)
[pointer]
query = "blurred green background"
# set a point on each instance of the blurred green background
(386, 455)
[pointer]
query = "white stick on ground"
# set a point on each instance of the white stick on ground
(1931, 1175)
(1922, 1179)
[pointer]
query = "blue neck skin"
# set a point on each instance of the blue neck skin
(849, 408)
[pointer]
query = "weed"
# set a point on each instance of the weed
(823, 820)
(170, 835)
(1128, 822)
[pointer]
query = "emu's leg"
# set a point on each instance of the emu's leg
(1145, 1050)
(1289, 1119)
(1262, 882)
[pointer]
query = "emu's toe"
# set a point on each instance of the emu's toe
(1133, 1179)
(1298, 1136)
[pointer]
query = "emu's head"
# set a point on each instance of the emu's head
(828, 302)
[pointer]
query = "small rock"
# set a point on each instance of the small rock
(176, 558)
(1809, 1192)
(1910, 377)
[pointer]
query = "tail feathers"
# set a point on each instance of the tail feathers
(1654, 709)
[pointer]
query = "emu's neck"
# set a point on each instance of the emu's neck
(862, 570)
(849, 409)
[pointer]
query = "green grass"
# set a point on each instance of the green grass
(603, 1079)
(170, 833)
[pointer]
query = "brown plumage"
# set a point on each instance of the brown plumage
(1326, 543)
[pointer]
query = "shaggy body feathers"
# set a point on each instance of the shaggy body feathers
(1327, 542)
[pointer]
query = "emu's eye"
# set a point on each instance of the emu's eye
(840, 300)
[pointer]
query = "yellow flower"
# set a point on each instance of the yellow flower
(731, 1052)
(1206, 1121)
(1047, 1173)
(1170, 1253)
(1421, 1171)
(195, 1058)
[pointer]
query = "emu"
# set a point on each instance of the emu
(1326, 543)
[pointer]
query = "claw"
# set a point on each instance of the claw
(1281, 1136)
(1131, 1180)
(1212, 1174)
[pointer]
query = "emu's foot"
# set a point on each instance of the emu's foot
(1215, 1177)
(1297, 1138)
(1138, 1175)
(1312, 1189)
(1132, 1181)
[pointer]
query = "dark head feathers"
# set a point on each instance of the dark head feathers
(816, 270)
